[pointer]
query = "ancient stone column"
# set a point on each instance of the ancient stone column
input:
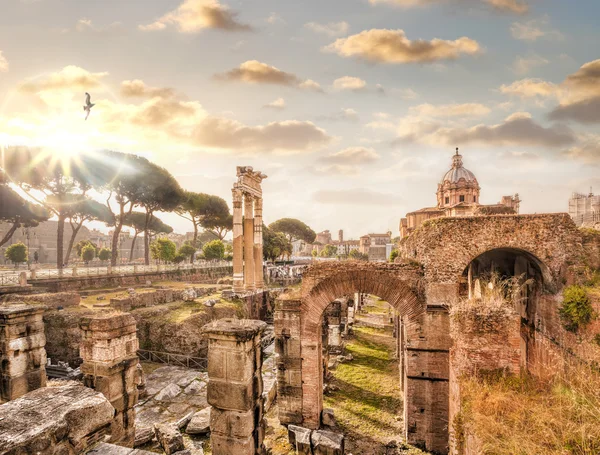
(235, 386)
(289, 360)
(258, 244)
(22, 352)
(333, 316)
(108, 348)
(238, 242)
(249, 242)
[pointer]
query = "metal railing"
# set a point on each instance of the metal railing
(9, 280)
(196, 363)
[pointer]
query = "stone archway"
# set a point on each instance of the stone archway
(424, 354)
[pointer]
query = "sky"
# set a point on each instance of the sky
(352, 108)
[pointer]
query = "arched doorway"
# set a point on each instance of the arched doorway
(529, 277)
(298, 331)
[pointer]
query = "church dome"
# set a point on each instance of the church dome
(458, 172)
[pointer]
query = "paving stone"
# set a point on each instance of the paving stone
(168, 393)
(143, 435)
(327, 443)
(300, 438)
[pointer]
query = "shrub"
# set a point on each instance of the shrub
(179, 258)
(214, 250)
(576, 310)
(104, 254)
(393, 255)
(163, 249)
(17, 253)
(88, 253)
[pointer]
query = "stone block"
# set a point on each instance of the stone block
(300, 438)
(169, 438)
(143, 435)
(200, 422)
(234, 424)
(224, 445)
(235, 397)
(327, 443)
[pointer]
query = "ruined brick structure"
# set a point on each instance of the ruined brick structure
(443, 260)
(110, 365)
(22, 353)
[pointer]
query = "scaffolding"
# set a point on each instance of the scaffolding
(584, 209)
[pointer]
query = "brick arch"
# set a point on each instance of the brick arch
(445, 246)
(398, 284)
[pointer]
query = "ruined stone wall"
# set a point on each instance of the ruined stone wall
(50, 300)
(445, 246)
(157, 297)
(205, 276)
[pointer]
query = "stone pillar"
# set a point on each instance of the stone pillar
(108, 348)
(258, 244)
(289, 360)
(23, 279)
(333, 315)
(235, 386)
(22, 353)
(238, 242)
(249, 242)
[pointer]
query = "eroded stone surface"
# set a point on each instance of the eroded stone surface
(169, 437)
(200, 423)
(69, 417)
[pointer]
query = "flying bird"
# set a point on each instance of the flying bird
(88, 105)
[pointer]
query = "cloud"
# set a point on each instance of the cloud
(587, 152)
(159, 121)
(345, 114)
(531, 88)
(584, 111)
(523, 65)
(519, 129)
(70, 78)
(510, 6)
(85, 25)
(505, 6)
(534, 29)
(580, 95)
(278, 104)
(519, 156)
(450, 110)
(255, 72)
(392, 46)
(352, 156)
(138, 89)
(349, 83)
(287, 136)
(355, 196)
(3, 64)
(338, 169)
(309, 84)
(193, 16)
(275, 18)
(331, 29)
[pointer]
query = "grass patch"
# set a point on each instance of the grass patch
(368, 399)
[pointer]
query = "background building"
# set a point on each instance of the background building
(585, 209)
(458, 194)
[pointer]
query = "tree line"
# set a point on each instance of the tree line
(69, 191)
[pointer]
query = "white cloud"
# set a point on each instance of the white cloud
(278, 104)
(392, 46)
(275, 18)
(193, 16)
(523, 65)
(534, 29)
(450, 110)
(531, 88)
(331, 29)
(349, 83)
(255, 72)
(355, 196)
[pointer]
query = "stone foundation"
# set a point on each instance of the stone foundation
(235, 386)
(22, 353)
(110, 366)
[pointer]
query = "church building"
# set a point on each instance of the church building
(458, 195)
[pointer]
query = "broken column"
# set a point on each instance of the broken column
(258, 244)
(249, 242)
(334, 319)
(22, 352)
(247, 231)
(238, 242)
(235, 386)
(108, 348)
